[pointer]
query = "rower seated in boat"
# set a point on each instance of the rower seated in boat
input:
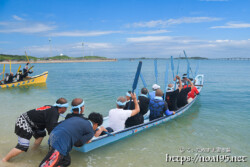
(182, 97)
(8, 78)
(158, 106)
(171, 95)
(26, 72)
(143, 102)
(1, 80)
(152, 94)
(130, 105)
(19, 76)
(118, 116)
(191, 95)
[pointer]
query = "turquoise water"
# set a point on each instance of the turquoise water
(219, 118)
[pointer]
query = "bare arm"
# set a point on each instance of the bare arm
(137, 108)
(99, 131)
(191, 83)
(180, 83)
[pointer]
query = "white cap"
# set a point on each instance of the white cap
(155, 86)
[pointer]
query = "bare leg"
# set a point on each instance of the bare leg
(14, 152)
(37, 142)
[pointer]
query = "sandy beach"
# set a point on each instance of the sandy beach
(58, 61)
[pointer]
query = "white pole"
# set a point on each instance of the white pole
(83, 49)
(49, 47)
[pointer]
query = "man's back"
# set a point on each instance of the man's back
(182, 97)
(117, 118)
(157, 107)
(67, 133)
(134, 120)
(43, 117)
(143, 102)
(171, 99)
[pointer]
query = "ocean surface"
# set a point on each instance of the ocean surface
(219, 119)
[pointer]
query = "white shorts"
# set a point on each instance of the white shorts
(190, 100)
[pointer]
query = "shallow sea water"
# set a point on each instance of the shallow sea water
(219, 118)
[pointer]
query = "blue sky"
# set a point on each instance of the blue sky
(129, 28)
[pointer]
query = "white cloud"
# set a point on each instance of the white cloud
(151, 32)
(233, 25)
(82, 33)
(165, 23)
(148, 46)
(93, 45)
(71, 49)
(149, 39)
(25, 27)
(17, 18)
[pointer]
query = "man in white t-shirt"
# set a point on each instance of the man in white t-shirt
(118, 116)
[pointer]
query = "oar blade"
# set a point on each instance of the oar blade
(166, 81)
(18, 68)
(27, 57)
(172, 65)
(156, 71)
(197, 68)
(177, 73)
(143, 81)
(10, 66)
(3, 71)
(137, 74)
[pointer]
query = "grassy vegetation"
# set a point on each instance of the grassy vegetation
(4, 57)
(15, 57)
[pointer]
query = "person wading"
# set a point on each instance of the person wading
(74, 131)
(33, 123)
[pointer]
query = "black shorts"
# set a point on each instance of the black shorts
(54, 158)
(24, 132)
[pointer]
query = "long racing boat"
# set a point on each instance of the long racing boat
(33, 80)
(118, 135)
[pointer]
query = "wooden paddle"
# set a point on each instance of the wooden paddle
(137, 74)
(166, 81)
(10, 66)
(143, 81)
(177, 72)
(3, 71)
(18, 68)
(188, 66)
(27, 57)
(156, 71)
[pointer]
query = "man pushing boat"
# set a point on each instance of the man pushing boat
(73, 131)
(33, 123)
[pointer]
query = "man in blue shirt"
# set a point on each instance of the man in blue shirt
(152, 94)
(74, 131)
(158, 106)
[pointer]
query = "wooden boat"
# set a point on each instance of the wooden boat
(33, 80)
(118, 135)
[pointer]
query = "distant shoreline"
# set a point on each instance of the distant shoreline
(58, 61)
